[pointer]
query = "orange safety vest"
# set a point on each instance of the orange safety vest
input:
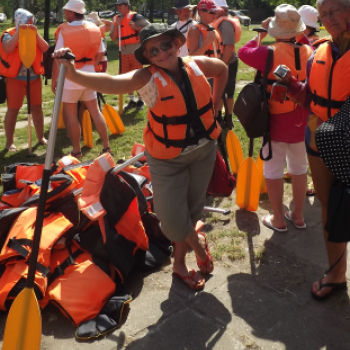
(203, 29)
(173, 116)
(128, 35)
(11, 62)
(84, 41)
(236, 25)
(329, 82)
(295, 58)
(73, 271)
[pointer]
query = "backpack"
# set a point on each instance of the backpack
(252, 109)
(47, 63)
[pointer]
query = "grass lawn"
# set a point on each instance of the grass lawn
(121, 145)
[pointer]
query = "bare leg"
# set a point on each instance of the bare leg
(71, 122)
(275, 192)
(99, 121)
(38, 120)
(323, 178)
(299, 183)
(10, 125)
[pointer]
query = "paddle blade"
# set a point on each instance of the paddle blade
(114, 123)
(60, 124)
(234, 151)
(23, 325)
(260, 165)
(248, 185)
(87, 129)
(27, 45)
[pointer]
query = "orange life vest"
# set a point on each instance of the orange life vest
(84, 41)
(174, 117)
(295, 58)
(10, 63)
(75, 271)
(329, 82)
(128, 35)
(236, 25)
(203, 29)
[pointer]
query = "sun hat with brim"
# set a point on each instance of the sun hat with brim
(286, 24)
(77, 6)
(309, 16)
(153, 30)
(93, 17)
(182, 4)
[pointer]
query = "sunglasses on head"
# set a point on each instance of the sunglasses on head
(164, 46)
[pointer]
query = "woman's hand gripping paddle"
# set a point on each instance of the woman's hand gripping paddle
(248, 183)
(27, 53)
(120, 67)
(113, 120)
(23, 325)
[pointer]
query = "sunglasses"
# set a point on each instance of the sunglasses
(210, 12)
(164, 46)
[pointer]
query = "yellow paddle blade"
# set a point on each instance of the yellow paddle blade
(114, 123)
(87, 129)
(27, 45)
(248, 185)
(60, 124)
(234, 151)
(260, 165)
(23, 325)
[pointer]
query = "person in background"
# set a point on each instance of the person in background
(309, 16)
(16, 78)
(230, 31)
(181, 151)
(185, 22)
(287, 119)
(84, 39)
(327, 70)
(202, 38)
(130, 23)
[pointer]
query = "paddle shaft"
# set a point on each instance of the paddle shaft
(120, 67)
(29, 113)
(46, 175)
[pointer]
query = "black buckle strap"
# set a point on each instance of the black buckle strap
(129, 36)
(84, 59)
(6, 64)
(324, 102)
(211, 52)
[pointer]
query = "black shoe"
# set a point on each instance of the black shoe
(131, 105)
(139, 105)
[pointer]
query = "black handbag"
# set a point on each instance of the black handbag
(252, 109)
(2, 89)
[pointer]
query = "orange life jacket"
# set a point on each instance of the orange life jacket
(10, 63)
(84, 41)
(236, 25)
(295, 58)
(174, 117)
(77, 286)
(329, 82)
(203, 29)
(128, 35)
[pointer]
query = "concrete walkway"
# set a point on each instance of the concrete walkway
(248, 304)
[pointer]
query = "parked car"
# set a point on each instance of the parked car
(107, 14)
(245, 20)
(3, 18)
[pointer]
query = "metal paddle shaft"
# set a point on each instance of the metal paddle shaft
(29, 114)
(120, 67)
(128, 162)
(23, 326)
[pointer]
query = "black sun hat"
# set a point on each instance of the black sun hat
(153, 30)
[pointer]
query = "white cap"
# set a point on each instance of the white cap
(309, 16)
(77, 6)
(221, 3)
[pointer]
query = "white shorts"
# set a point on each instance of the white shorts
(75, 95)
(293, 153)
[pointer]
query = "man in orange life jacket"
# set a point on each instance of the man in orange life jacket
(84, 39)
(130, 23)
(16, 78)
(230, 30)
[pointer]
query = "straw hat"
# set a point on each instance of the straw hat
(153, 30)
(77, 6)
(286, 24)
(93, 17)
(309, 16)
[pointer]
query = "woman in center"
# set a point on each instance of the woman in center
(179, 136)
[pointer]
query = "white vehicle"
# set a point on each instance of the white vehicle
(245, 20)
(3, 18)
